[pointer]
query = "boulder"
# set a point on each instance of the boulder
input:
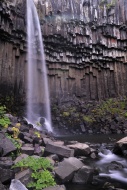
(17, 185)
(120, 147)
(65, 170)
(57, 187)
(62, 151)
(109, 186)
(37, 150)
(12, 118)
(20, 157)
(24, 176)
(6, 145)
(80, 149)
(27, 150)
(115, 166)
(54, 159)
(6, 162)
(60, 143)
(2, 187)
(83, 175)
(6, 175)
(46, 141)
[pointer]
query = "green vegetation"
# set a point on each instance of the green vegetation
(4, 121)
(14, 141)
(111, 106)
(17, 144)
(37, 134)
(108, 5)
(66, 114)
(88, 119)
(40, 177)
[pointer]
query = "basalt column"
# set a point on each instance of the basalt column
(12, 51)
(85, 43)
(86, 47)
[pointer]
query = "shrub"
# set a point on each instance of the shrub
(41, 177)
(4, 121)
(88, 119)
(66, 114)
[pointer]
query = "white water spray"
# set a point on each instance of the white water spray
(108, 158)
(38, 103)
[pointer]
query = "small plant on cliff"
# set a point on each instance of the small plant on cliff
(4, 121)
(108, 5)
(41, 177)
(66, 114)
(88, 119)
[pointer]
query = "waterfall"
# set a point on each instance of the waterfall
(38, 103)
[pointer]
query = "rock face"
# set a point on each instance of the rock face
(85, 45)
(12, 52)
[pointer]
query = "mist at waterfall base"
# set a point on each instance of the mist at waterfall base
(38, 103)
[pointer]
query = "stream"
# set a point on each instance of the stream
(104, 144)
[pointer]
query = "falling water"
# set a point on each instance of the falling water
(38, 105)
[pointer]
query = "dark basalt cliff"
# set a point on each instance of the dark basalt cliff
(85, 44)
(12, 50)
(86, 48)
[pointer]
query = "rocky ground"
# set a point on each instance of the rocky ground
(69, 159)
(77, 117)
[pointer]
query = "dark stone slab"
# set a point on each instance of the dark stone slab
(6, 145)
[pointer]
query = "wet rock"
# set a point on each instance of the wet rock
(120, 146)
(62, 151)
(83, 175)
(115, 166)
(109, 186)
(80, 149)
(6, 145)
(17, 185)
(93, 155)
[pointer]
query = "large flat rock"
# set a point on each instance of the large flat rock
(80, 149)
(66, 168)
(63, 151)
